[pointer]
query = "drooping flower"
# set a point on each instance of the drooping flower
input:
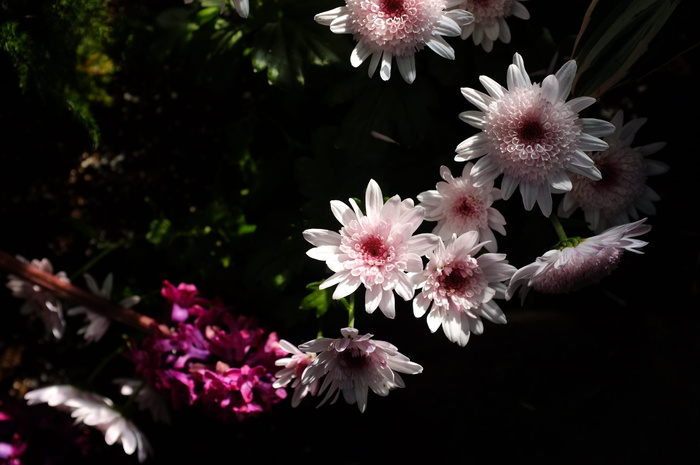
(216, 361)
(294, 367)
(622, 192)
(39, 300)
(489, 22)
(459, 287)
(353, 364)
(97, 324)
(375, 250)
(531, 135)
(96, 411)
(580, 264)
(459, 206)
(385, 29)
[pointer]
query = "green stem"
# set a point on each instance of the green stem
(350, 306)
(558, 227)
(110, 248)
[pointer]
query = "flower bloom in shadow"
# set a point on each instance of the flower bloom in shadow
(353, 364)
(622, 192)
(97, 324)
(376, 250)
(216, 361)
(531, 135)
(38, 300)
(96, 411)
(459, 287)
(388, 29)
(459, 206)
(489, 23)
(293, 370)
(242, 7)
(579, 264)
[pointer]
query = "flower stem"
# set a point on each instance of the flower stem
(350, 306)
(558, 227)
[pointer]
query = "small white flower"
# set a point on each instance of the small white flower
(354, 364)
(490, 20)
(570, 268)
(96, 411)
(294, 367)
(98, 324)
(531, 135)
(38, 300)
(385, 29)
(376, 250)
(622, 192)
(459, 288)
(459, 206)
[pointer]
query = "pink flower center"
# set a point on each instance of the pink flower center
(624, 179)
(373, 250)
(460, 285)
(399, 27)
(487, 11)
(580, 271)
(531, 138)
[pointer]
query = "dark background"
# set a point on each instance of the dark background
(607, 375)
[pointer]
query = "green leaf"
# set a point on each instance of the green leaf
(623, 40)
(158, 231)
(318, 300)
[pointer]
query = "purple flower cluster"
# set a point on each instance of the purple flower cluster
(213, 359)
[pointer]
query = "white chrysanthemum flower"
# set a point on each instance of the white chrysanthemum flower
(385, 29)
(586, 262)
(294, 367)
(353, 364)
(490, 20)
(531, 135)
(146, 398)
(459, 206)
(622, 192)
(96, 411)
(98, 324)
(458, 288)
(376, 250)
(38, 300)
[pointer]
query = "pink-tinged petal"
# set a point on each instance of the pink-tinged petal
(478, 99)
(322, 237)
(373, 200)
(388, 304)
(327, 17)
(550, 89)
(438, 45)
(494, 89)
(565, 76)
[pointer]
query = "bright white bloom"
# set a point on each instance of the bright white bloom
(97, 324)
(96, 411)
(354, 363)
(242, 7)
(490, 20)
(572, 267)
(385, 29)
(294, 367)
(531, 135)
(38, 300)
(458, 287)
(617, 198)
(146, 398)
(375, 250)
(459, 206)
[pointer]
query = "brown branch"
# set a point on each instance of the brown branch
(71, 293)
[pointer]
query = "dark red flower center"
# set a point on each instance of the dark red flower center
(393, 7)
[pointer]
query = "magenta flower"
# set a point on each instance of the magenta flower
(216, 361)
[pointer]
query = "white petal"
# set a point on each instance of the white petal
(566, 75)
(438, 45)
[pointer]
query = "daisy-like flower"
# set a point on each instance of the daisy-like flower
(96, 411)
(355, 363)
(294, 367)
(489, 22)
(385, 29)
(97, 324)
(145, 397)
(38, 300)
(622, 193)
(582, 263)
(531, 135)
(459, 287)
(459, 206)
(375, 250)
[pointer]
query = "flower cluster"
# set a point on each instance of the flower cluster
(212, 359)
